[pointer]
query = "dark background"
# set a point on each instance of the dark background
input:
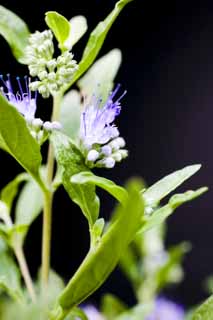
(166, 120)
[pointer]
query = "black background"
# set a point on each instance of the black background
(166, 120)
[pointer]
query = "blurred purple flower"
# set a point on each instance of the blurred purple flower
(166, 310)
(92, 313)
(23, 101)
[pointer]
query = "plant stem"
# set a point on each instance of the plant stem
(25, 271)
(48, 200)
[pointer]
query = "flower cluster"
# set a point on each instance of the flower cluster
(25, 102)
(52, 73)
(99, 137)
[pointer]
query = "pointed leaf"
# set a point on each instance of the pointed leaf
(59, 25)
(96, 40)
(78, 29)
(9, 192)
(100, 77)
(15, 32)
(204, 312)
(16, 139)
(111, 306)
(71, 114)
(100, 261)
(160, 215)
(163, 187)
(71, 161)
(88, 177)
(29, 206)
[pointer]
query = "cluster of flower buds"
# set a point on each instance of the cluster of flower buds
(107, 155)
(40, 129)
(99, 137)
(52, 73)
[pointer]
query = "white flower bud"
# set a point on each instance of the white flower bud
(109, 162)
(47, 126)
(56, 125)
(93, 155)
(117, 156)
(106, 150)
(37, 123)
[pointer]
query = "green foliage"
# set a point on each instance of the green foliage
(100, 261)
(28, 206)
(78, 29)
(9, 274)
(204, 312)
(116, 191)
(70, 114)
(60, 26)
(16, 139)
(71, 162)
(100, 77)
(111, 306)
(15, 32)
(160, 215)
(9, 192)
(96, 40)
(163, 187)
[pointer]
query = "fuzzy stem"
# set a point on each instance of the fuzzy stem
(48, 200)
(25, 271)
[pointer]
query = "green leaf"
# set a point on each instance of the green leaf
(71, 113)
(71, 161)
(16, 139)
(29, 206)
(100, 261)
(78, 29)
(129, 265)
(204, 312)
(59, 25)
(96, 40)
(116, 191)
(9, 192)
(9, 275)
(112, 306)
(160, 215)
(15, 32)
(163, 187)
(100, 77)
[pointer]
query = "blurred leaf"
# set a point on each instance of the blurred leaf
(96, 40)
(15, 32)
(129, 265)
(139, 312)
(59, 25)
(9, 192)
(163, 187)
(100, 77)
(160, 215)
(29, 206)
(116, 191)
(71, 114)
(100, 261)
(112, 306)
(9, 275)
(71, 161)
(78, 29)
(205, 311)
(16, 139)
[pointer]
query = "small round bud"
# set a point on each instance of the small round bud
(93, 155)
(124, 153)
(106, 150)
(37, 123)
(47, 126)
(117, 156)
(56, 125)
(109, 162)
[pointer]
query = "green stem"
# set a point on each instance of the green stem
(48, 200)
(25, 271)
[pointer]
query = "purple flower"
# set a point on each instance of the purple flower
(166, 310)
(92, 313)
(99, 137)
(22, 100)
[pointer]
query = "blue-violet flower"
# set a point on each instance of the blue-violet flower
(166, 310)
(99, 137)
(92, 313)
